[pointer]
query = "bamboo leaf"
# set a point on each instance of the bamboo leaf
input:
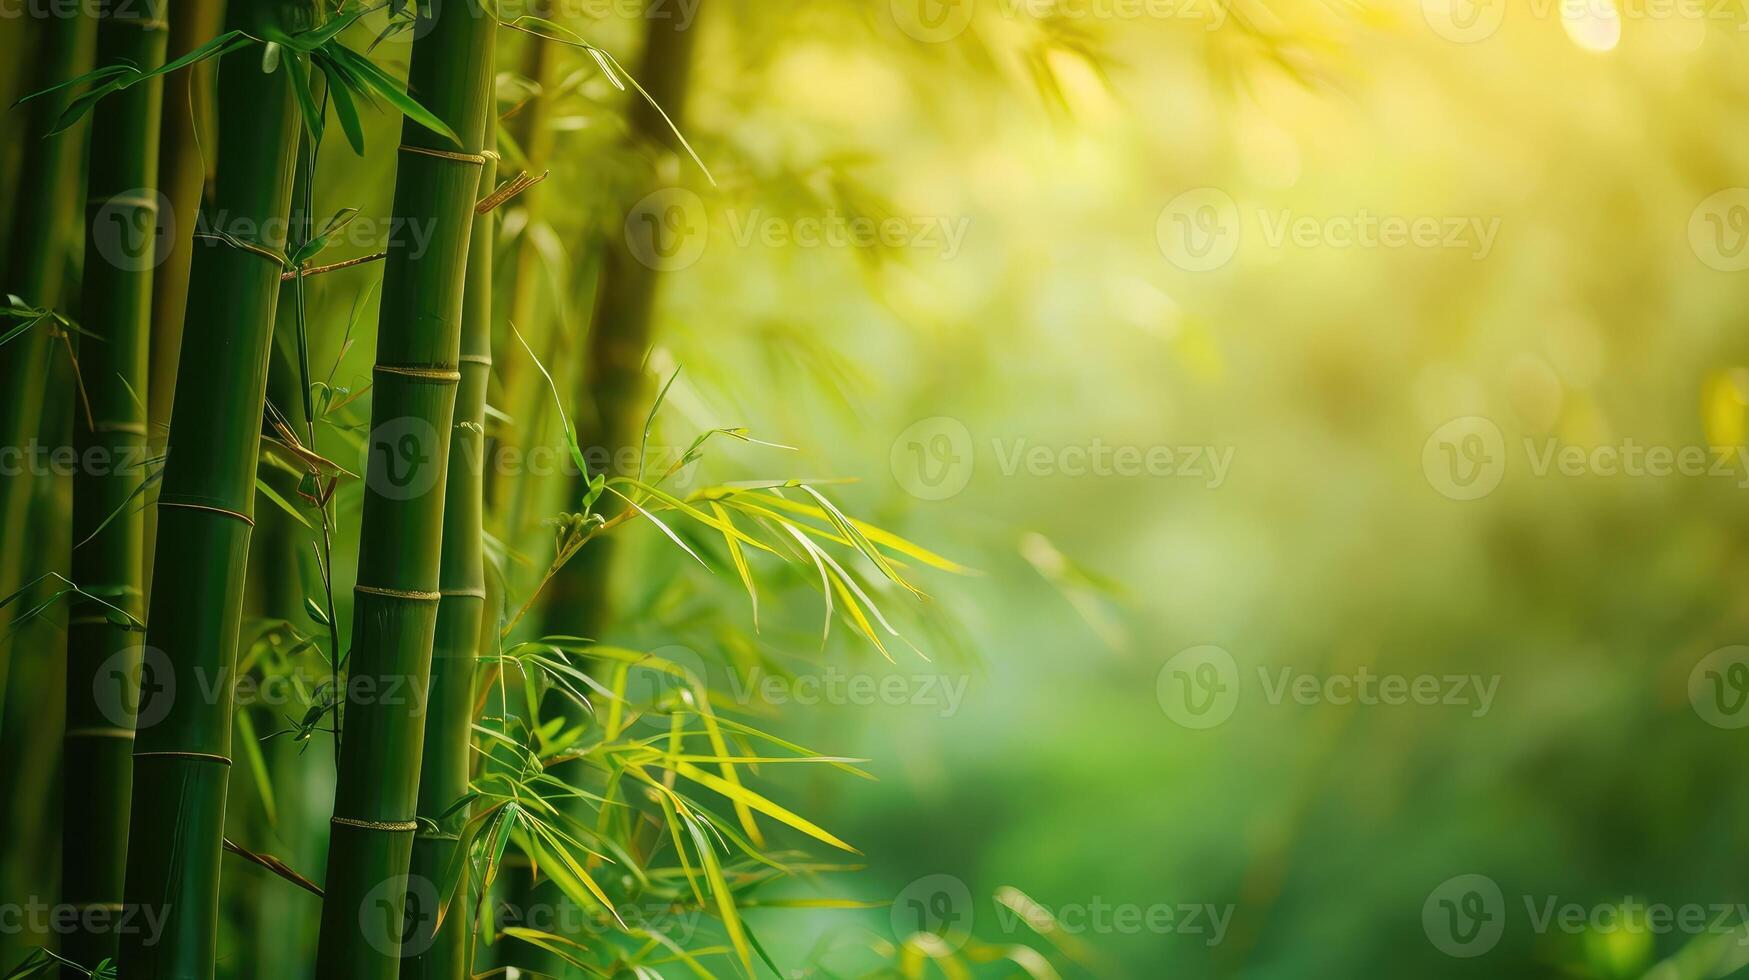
(760, 803)
(374, 78)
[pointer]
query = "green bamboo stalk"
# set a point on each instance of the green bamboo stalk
(412, 408)
(611, 383)
(612, 377)
(182, 175)
(37, 262)
(542, 67)
(447, 757)
(108, 553)
(206, 506)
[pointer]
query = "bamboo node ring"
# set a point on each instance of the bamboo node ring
(471, 158)
(193, 756)
(245, 518)
(399, 593)
(390, 826)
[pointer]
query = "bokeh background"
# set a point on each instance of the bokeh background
(1397, 287)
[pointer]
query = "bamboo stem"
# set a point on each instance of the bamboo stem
(108, 527)
(206, 505)
(401, 528)
(448, 739)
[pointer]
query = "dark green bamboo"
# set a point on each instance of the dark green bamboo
(613, 383)
(116, 306)
(37, 263)
(205, 513)
(443, 775)
(412, 409)
(182, 175)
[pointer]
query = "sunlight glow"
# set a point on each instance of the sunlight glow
(1594, 25)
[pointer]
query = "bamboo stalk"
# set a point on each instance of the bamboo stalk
(412, 409)
(37, 262)
(612, 383)
(108, 552)
(206, 505)
(444, 768)
(182, 176)
(541, 66)
(612, 377)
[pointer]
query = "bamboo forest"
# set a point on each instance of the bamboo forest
(901, 489)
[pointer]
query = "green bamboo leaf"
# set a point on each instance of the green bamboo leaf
(760, 803)
(557, 945)
(344, 108)
(665, 529)
(296, 63)
(258, 771)
(280, 502)
(372, 76)
(740, 561)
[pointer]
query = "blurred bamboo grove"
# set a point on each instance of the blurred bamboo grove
(889, 488)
